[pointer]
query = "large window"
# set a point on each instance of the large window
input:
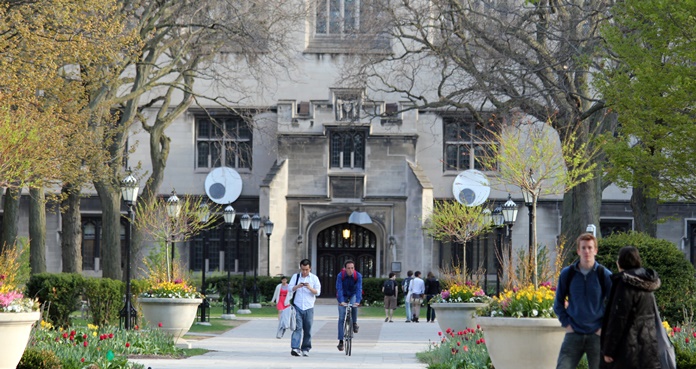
(466, 144)
(355, 26)
(92, 242)
(348, 149)
(223, 141)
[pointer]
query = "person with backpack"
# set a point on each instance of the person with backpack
(406, 284)
(581, 292)
(432, 289)
(390, 297)
(348, 291)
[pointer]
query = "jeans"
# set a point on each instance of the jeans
(304, 319)
(407, 302)
(430, 313)
(576, 344)
(342, 316)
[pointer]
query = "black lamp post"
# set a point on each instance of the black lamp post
(129, 191)
(498, 222)
(268, 228)
(229, 215)
(530, 196)
(204, 216)
(255, 225)
(487, 221)
(509, 216)
(173, 211)
(244, 222)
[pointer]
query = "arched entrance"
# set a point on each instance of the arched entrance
(342, 242)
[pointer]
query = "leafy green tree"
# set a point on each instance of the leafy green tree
(450, 221)
(530, 156)
(651, 87)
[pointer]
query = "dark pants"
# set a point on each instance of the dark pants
(430, 313)
(574, 346)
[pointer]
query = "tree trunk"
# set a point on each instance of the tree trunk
(10, 218)
(37, 230)
(71, 230)
(111, 230)
(581, 206)
(644, 210)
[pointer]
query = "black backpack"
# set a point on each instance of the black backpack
(389, 287)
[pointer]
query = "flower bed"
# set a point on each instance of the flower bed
(526, 302)
(462, 292)
(104, 347)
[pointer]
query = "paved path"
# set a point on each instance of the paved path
(253, 345)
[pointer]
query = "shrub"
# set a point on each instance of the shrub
(62, 290)
(676, 273)
(34, 358)
(104, 296)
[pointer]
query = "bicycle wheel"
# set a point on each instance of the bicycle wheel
(348, 333)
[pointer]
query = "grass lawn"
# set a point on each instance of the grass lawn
(271, 312)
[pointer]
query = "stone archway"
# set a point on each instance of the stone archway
(333, 249)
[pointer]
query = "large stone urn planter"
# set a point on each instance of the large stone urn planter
(175, 315)
(522, 343)
(15, 329)
(456, 315)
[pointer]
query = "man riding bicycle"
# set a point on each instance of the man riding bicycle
(348, 291)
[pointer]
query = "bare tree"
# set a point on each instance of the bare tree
(501, 55)
(231, 47)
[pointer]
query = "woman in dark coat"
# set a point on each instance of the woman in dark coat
(629, 331)
(432, 288)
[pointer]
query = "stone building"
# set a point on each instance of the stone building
(313, 153)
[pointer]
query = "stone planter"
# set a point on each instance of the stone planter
(522, 343)
(14, 336)
(456, 315)
(176, 315)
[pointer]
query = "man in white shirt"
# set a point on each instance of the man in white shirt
(305, 287)
(417, 291)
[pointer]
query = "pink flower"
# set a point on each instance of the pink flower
(7, 298)
(159, 324)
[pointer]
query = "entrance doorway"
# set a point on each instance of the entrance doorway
(339, 243)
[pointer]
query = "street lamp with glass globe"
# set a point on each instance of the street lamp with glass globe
(530, 192)
(129, 191)
(255, 225)
(509, 209)
(173, 211)
(487, 219)
(203, 217)
(228, 214)
(245, 222)
(268, 228)
(498, 221)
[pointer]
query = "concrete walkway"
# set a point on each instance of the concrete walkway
(253, 345)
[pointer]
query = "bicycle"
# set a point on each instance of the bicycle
(348, 329)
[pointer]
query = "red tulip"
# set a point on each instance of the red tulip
(65, 335)
(127, 344)
(82, 360)
(111, 335)
(159, 324)
(84, 343)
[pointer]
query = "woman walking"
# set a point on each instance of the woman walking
(279, 295)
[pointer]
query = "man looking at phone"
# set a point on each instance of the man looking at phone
(348, 291)
(305, 289)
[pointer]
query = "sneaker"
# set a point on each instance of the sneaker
(295, 352)
(386, 320)
(391, 321)
(355, 328)
(340, 346)
(305, 353)
(408, 321)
